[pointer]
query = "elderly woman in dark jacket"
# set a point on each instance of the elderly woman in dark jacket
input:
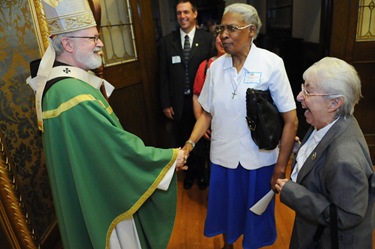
(333, 165)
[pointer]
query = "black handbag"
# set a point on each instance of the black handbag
(263, 118)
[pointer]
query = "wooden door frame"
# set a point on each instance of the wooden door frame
(147, 55)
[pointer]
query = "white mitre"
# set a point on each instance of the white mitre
(68, 15)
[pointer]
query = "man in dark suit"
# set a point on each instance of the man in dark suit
(180, 54)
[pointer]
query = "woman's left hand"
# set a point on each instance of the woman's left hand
(280, 183)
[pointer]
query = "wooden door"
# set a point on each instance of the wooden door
(361, 54)
(135, 99)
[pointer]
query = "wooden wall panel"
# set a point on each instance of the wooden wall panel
(362, 56)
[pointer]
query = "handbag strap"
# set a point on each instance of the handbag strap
(318, 233)
(251, 101)
(333, 227)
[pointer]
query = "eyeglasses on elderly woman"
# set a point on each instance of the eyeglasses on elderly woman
(219, 29)
(307, 94)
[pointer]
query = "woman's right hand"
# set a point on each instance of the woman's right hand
(181, 160)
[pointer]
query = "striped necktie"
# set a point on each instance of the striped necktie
(186, 52)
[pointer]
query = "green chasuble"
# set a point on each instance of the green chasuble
(100, 174)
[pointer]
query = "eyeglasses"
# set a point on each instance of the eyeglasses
(307, 94)
(219, 29)
(94, 38)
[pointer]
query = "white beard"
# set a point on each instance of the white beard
(90, 61)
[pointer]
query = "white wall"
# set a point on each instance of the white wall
(260, 6)
(167, 16)
(306, 20)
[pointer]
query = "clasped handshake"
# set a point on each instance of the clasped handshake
(182, 157)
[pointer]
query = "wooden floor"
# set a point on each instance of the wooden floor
(191, 214)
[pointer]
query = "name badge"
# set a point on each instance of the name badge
(176, 59)
(253, 78)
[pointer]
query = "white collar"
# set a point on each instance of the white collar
(319, 134)
(190, 34)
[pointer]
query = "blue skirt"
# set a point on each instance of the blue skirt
(232, 193)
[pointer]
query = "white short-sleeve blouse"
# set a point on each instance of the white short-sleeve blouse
(224, 97)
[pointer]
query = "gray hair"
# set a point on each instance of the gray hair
(56, 41)
(249, 14)
(337, 78)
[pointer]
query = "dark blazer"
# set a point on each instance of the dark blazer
(338, 172)
(172, 68)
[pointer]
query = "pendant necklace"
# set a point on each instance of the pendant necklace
(235, 84)
(239, 77)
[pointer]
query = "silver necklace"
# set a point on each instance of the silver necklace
(235, 85)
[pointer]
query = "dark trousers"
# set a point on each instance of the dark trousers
(197, 160)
